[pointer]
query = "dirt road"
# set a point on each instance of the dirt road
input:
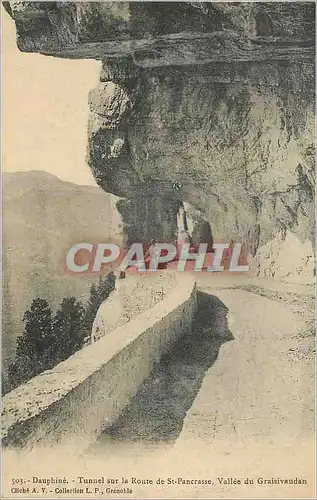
(262, 382)
(233, 401)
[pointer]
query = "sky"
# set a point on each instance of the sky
(45, 110)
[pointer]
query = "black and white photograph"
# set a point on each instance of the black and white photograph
(158, 249)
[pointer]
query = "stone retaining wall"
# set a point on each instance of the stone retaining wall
(78, 398)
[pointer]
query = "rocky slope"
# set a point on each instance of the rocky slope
(132, 296)
(216, 97)
(42, 218)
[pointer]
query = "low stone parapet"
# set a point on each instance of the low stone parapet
(80, 397)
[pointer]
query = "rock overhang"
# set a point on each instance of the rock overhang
(164, 33)
(218, 97)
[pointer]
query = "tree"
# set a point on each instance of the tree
(106, 286)
(68, 329)
(98, 294)
(5, 384)
(33, 347)
(46, 342)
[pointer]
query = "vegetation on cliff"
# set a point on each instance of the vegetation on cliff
(49, 339)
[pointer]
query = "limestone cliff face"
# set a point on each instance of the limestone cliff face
(215, 99)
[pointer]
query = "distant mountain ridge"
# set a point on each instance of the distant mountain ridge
(39, 178)
(43, 216)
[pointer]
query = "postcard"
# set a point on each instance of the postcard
(158, 250)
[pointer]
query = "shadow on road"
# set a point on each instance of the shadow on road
(157, 411)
